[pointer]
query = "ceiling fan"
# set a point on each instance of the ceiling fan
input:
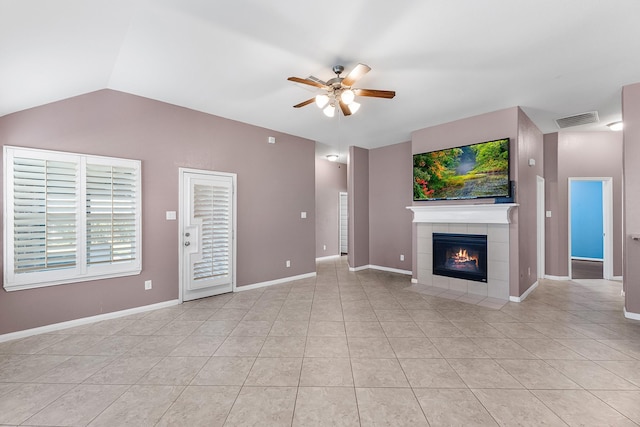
(340, 91)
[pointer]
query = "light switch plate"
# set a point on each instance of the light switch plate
(303, 215)
(170, 215)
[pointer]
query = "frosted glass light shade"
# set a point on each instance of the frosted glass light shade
(332, 157)
(347, 96)
(353, 107)
(615, 126)
(321, 100)
(329, 111)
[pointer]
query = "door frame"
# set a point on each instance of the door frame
(340, 194)
(182, 215)
(607, 223)
(540, 230)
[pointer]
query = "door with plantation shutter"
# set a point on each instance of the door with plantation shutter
(207, 227)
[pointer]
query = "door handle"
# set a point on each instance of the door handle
(187, 243)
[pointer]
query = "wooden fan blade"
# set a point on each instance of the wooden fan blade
(345, 108)
(388, 94)
(303, 103)
(307, 82)
(355, 74)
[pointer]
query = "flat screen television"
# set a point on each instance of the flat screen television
(468, 172)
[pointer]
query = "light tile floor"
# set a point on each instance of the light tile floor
(343, 349)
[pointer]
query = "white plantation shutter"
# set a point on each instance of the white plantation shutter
(212, 207)
(111, 214)
(55, 202)
(44, 214)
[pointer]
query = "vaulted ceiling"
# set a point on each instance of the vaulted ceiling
(446, 59)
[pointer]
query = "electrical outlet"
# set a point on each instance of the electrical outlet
(529, 271)
(147, 285)
(401, 257)
(324, 247)
(288, 263)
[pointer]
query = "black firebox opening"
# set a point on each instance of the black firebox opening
(463, 256)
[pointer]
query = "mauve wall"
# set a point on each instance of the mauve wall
(484, 127)
(358, 189)
(390, 192)
(275, 183)
(331, 179)
(579, 155)
(529, 146)
(631, 162)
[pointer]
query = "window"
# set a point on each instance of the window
(69, 218)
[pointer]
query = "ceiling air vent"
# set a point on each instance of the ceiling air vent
(578, 119)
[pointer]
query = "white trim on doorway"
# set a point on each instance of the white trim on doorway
(540, 229)
(607, 222)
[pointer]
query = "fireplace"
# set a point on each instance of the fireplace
(463, 256)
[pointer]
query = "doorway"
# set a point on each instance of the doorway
(343, 223)
(207, 233)
(590, 228)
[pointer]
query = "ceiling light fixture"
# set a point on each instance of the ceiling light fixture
(347, 96)
(333, 157)
(329, 110)
(339, 91)
(322, 100)
(615, 125)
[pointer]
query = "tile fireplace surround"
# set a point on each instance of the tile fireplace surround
(490, 220)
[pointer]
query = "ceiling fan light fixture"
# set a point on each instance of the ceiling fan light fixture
(347, 96)
(353, 107)
(321, 100)
(329, 110)
(333, 157)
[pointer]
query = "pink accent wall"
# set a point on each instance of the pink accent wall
(390, 192)
(358, 189)
(526, 142)
(576, 155)
(631, 171)
(331, 179)
(275, 183)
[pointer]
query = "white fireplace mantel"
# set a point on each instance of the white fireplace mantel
(469, 214)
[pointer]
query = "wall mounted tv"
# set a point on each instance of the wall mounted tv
(469, 172)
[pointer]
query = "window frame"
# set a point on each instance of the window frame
(82, 271)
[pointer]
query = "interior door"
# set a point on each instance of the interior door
(207, 215)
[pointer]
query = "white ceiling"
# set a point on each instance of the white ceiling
(446, 59)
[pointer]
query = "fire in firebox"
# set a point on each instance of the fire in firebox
(461, 259)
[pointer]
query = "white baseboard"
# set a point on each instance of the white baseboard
(622, 292)
(86, 320)
(391, 270)
(617, 278)
(525, 294)
(381, 268)
(327, 258)
(548, 276)
(414, 280)
(274, 282)
(630, 315)
(581, 258)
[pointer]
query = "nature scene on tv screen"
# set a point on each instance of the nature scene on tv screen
(472, 171)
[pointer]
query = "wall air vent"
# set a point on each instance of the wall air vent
(578, 119)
